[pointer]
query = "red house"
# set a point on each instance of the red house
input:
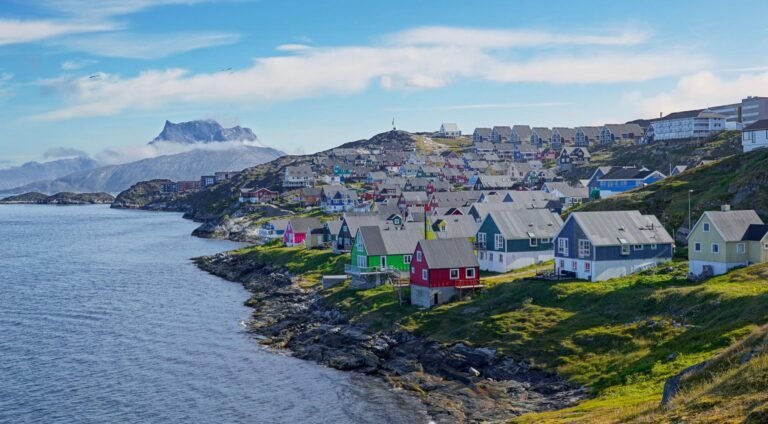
(261, 195)
(297, 230)
(440, 268)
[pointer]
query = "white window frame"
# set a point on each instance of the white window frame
(654, 246)
(424, 275)
(562, 245)
(637, 247)
(741, 248)
(451, 274)
(407, 259)
(481, 239)
(498, 241)
(585, 248)
(715, 248)
(705, 227)
(469, 274)
(697, 246)
(418, 256)
(532, 242)
(625, 249)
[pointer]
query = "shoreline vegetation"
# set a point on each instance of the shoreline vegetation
(565, 351)
(63, 198)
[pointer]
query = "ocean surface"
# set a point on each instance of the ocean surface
(104, 319)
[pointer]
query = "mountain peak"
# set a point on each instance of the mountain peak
(202, 131)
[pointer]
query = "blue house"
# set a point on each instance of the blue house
(597, 246)
(618, 179)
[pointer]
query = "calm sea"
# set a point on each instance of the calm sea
(103, 319)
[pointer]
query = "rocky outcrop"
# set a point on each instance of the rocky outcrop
(457, 382)
(202, 131)
(35, 198)
(672, 385)
(145, 195)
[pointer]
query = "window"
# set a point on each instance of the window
(625, 249)
(574, 266)
(545, 241)
(499, 241)
(532, 242)
(407, 259)
(470, 273)
(587, 267)
(490, 256)
(740, 248)
(359, 243)
(501, 258)
(413, 270)
(715, 248)
(418, 256)
(562, 263)
(653, 247)
(584, 248)
(424, 274)
(481, 240)
(454, 274)
(706, 227)
(765, 246)
(638, 247)
(562, 246)
(482, 255)
(697, 247)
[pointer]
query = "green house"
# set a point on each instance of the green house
(379, 251)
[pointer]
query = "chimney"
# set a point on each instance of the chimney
(725, 208)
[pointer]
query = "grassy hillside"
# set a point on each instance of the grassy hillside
(310, 264)
(622, 338)
(739, 180)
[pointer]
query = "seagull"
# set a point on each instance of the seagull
(95, 76)
(226, 70)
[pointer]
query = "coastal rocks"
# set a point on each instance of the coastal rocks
(672, 385)
(63, 198)
(456, 382)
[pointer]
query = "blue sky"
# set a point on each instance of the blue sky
(308, 75)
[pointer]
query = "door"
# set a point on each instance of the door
(383, 262)
(437, 299)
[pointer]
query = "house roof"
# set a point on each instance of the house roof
(333, 226)
(755, 232)
(534, 199)
(732, 225)
(697, 113)
(456, 226)
(565, 132)
(483, 132)
(302, 225)
(415, 196)
(523, 131)
(527, 223)
(624, 129)
(356, 221)
(590, 132)
(448, 253)
(543, 132)
(449, 126)
(758, 125)
(299, 171)
(456, 198)
(570, 149)
(615, 228)
(496, 181)
(278, 224)
(626, 173)
(503, 130)
(567, 190)
(391, 241)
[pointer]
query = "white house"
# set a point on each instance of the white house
(755, 136)
(449, 129)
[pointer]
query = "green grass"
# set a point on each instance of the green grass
(621, 338)
(311, 264)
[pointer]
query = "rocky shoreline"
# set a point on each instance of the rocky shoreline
(456, 382)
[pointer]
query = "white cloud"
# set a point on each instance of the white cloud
(75, 64)
(505, 38)
(145, 46)
(14, 31)
(107, 8)
(292, 47)
(699, 90)
(347, 70)
(125, 154)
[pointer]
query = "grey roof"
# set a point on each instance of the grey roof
(526, 223)
(415, 197)
(758, 125)
(627, 173)
(570, 149)
(534, 199)
(527, 147)
(543, 132)
(505, 147)
(448, 253)
(279, 224)
(302, 225)
(503, 130)
(299, 171)
(621, 227)
(390, 241)
(456, 198)
(697, 113)
(496, 181)
(456, 226)
(565, 132)
(732, 225)
(567, 190)
(356, 221)
(619, 129)
(450, 126)
(333, 226)
(590, 132)
(483, 132)
(523, 131)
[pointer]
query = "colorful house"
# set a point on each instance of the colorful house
(726, 239)
(298, 229)
(440, 268)
(597, 246)
(511, 239)
(379, 252)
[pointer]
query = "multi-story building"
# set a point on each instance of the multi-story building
(745, 113)
(298, 176)
(685, 125)
(755, 136)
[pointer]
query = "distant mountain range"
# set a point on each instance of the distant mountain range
(89, 176)
(202, 131)
(36, 171)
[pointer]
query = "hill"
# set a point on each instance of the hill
(182, 166)
(202, 131)
(35, 198)
(740, 180)
(35, 171)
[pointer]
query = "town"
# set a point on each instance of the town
(437, 215)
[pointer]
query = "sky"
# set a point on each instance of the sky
(89, 76)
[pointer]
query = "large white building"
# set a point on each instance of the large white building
(689, 124)
(755, 136)
(449, 129)
(745, 113)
